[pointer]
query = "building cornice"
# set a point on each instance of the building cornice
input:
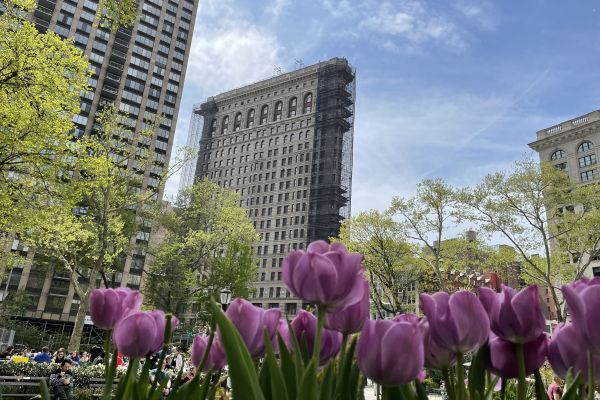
(575, 128)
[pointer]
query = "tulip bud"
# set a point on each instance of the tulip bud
(583, 301)
(390, 353)
(351, 318)
(565, 351)
(305, 325)
(141, 333)
(515, 317)
(503, 356)
(327, 275)
(216, 356)
(251, 322)
(108, 306)
(457, 323)
(436, 357)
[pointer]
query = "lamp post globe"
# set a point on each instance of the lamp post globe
(225, 298)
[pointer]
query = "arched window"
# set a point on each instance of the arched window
(278, 111)
(225, 125)
(292, 137)
(557, 155)
(270, 142)
(293, 105)
(262, 144)
(276, 141)
(237, 122)
(213, 127)
(307, 105)
(585, 146)
(250, 120)
(264, 114)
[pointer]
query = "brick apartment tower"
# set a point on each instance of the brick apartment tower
(285, 145)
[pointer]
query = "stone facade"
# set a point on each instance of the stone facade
(573, 146)
(285, 145)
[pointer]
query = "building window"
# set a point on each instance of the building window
(307, 107)
(587, 160)
(237, 122)
(585, 146)
(264, 114)
(225, 125)
(278, 111)
(557, 155)
(213, 127)
(250, 120)
(292, 107)
(587, 175)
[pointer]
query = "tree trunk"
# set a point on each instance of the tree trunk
(75, 340)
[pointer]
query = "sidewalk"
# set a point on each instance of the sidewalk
(370, 394)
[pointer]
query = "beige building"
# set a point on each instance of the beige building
(285, 145)
(573, 146)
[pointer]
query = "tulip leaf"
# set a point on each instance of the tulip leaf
(540, 392)
(421, 392)
(288, 368)
(244, 380)
(393, 393)
(489, 394)
(328, 381)
(278, 388)
(265, 381)
(297, 355)
(355, 384)
(343, 385)
(477, 372)
(44, 389)
(308, 387)
(158, 393)
(571, 386)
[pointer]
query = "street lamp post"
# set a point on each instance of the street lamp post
(225, 298)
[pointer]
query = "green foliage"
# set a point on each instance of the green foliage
(117, 13)
(389, 260)
(41, 78)
(206, 247)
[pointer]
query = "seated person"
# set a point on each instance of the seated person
(43, 356)
(61, 381)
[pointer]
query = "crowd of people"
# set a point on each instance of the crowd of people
(62, 379)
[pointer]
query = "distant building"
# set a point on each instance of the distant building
(285, 145)
(573, 146)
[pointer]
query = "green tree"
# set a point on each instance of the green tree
(547, 218)
(394, 273)
(425, 219)
(91, 240)
(206, 247)
(41, 78)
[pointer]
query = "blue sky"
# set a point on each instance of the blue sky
(448, 88)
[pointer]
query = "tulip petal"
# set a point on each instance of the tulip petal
(318, 246)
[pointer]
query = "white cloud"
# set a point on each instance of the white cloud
(276, 8)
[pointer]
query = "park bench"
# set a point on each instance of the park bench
(24, 382)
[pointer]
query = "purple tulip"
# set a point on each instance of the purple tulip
(251, 322)
(305, 325)
(407, 317)
(514, 316)
(436, 357)
(327, 275)
(565, 351)
(503, 356)
(352, 317)
(216, 356)
(108, 306)
(390, 353)
(457, 323)
(583, 301)
(141, 333)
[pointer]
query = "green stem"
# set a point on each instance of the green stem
(407, 392)
(343, 352)
(317, 345)
(460, 377)
(521, 383)
(449, 384)
(165, 349)
(110, 366)
(591, 376)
